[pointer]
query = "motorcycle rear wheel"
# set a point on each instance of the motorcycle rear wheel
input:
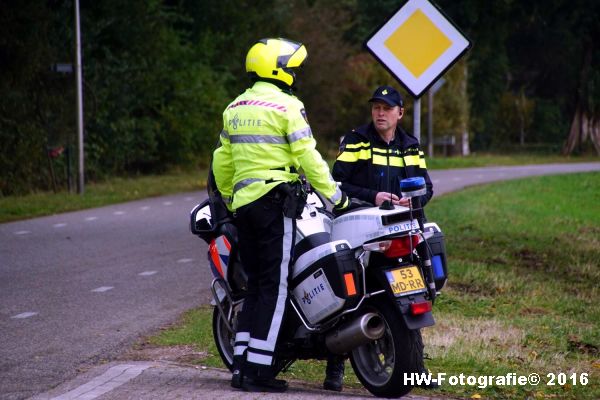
(224, 339)
(381, 364)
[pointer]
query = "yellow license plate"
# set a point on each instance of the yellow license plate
(405, 280)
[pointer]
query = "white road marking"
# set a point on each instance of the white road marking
(435, 181)
(167, 203)
(147, 273)
(60, 225)
(22, 232)
(103, 289)
(91, 218)
(145, 208)
(188, 199)
(111, 379)
(456, 179)
(119, 212)
(185, 260)
(24, 315)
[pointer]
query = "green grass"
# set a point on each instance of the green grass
(116, 190)
(523, 294)
(489, 160)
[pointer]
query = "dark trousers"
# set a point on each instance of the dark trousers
(266, 241)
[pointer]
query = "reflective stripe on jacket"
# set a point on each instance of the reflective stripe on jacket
(265, 139)
(367, 165)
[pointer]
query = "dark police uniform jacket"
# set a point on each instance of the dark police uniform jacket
(367, 165)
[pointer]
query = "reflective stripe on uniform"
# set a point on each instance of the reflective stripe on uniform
(245, 182)
(268, 345)
(336, 196)
(422, 163)
(258, 358)
(259, 139)
(299, 134)
(241, 343)
(412, 160)
(353, 156)
(394, 161)
(226, 199)
(224, 134)
(351, 146)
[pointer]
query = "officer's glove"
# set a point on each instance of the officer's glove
(343, 205)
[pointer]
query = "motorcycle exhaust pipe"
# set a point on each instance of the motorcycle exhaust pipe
(357, 332)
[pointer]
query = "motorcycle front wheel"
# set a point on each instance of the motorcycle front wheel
(225, 339)
(382, 364)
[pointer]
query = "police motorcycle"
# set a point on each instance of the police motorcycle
(362, 285)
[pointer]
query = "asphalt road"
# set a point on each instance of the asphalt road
(79, 288)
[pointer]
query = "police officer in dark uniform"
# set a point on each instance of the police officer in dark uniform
(372, 160)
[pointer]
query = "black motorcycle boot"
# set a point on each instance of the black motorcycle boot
(334, 374)
(237, 376)
(262, 379)
(433, 384)
(267, 385)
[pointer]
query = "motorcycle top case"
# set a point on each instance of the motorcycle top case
(325, 279)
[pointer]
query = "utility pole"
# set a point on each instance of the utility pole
(432, 90)
(80, 186)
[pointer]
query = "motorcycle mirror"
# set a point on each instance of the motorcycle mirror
(200, 219)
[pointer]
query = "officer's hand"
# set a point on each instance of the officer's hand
(404, 201)
(343, 204)
(386, 196)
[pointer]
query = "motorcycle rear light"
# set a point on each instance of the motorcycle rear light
(402, 246)
(378, 246)
(420, 308)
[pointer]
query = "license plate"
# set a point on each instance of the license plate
(405, 281)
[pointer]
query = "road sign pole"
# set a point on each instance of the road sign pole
(430, 123)
(417, 119)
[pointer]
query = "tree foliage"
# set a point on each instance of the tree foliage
(158, 73)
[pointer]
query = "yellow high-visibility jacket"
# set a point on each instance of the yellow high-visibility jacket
(265, 140)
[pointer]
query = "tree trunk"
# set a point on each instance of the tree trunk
(595, 133)
(585, 125)
(573, 139)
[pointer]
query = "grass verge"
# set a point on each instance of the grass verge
(118, 190)
(490, 160)
(523, 293)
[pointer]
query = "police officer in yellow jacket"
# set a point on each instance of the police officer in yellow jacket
(265, 139)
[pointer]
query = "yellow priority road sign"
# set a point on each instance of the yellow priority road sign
(417, 45)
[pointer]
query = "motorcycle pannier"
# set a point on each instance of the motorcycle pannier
(438, 255)
(325, 280)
